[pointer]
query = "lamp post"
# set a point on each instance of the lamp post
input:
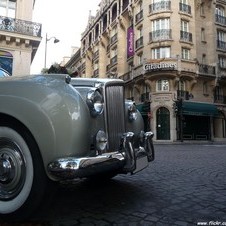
(48, 39)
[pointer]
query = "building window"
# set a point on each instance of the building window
(114, 12)
(140, 59)
(162, 85)
(184, 30)
(222, 61)
(185, 54)
(162, 52)
(203, 36)
(219, 15)
(181, 86)
(160, 29)
(8, 8)
(184, 7)
(219, 11)
(204, 59)
(205, 88)
(202, 10)
(221, 40)
(6, 61)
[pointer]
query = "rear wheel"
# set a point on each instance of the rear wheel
(22, 176)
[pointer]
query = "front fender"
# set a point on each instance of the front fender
(59, 124)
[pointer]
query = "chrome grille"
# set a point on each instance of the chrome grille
(114, 115)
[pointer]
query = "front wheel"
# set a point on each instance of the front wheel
(22, 176)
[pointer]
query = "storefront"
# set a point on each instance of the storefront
(195, 120)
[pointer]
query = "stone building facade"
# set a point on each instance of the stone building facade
(172, 57)
(19, 36)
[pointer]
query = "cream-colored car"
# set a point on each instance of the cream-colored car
(54, 128)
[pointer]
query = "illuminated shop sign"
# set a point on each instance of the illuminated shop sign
(160, 66)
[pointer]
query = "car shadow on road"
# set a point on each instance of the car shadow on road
(87, 198)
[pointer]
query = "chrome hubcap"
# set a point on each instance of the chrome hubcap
(12, 169)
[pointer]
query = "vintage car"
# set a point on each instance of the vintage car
(54, 128)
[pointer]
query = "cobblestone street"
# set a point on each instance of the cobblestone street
(185, 185)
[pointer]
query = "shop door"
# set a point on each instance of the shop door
(163, 124)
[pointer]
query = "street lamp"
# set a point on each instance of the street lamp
(48, 39)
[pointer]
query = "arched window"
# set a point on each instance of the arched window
(162, 85)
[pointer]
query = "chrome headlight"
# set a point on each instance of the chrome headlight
(95, 102)
(132, 112)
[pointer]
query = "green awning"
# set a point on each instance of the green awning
(143, 108)
(202, 109)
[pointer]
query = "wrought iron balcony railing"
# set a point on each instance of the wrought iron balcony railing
(160, 6)
(96, 73)
(20, 26)
(113, 60)
(221, 99)
(139, 42)
(185, 36)
(139, 16)
(220, 19)
(185, 8)
(207, 69)
(114, 39)
(163, 34)
(181, 94)
(221, 44)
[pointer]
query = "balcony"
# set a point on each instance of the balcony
(139, 42)
(96, 55)
(114, 39)
(220, 99)
(181, 94)
(221, 45)
(113, 60)
(160, 35)
(205, 69)
(185, 8)
(220, 19)
(20, 26)
(96, 73)
(185, 36)
(160, 6)
(139, 16)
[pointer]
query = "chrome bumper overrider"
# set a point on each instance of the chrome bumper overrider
(128, 159)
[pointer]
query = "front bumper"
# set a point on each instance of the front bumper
(128, 160)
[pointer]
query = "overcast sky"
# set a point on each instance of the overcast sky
(65, 20)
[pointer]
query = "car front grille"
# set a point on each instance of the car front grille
(114, 114)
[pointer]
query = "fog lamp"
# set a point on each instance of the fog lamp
(101, 141)
(132, 112)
